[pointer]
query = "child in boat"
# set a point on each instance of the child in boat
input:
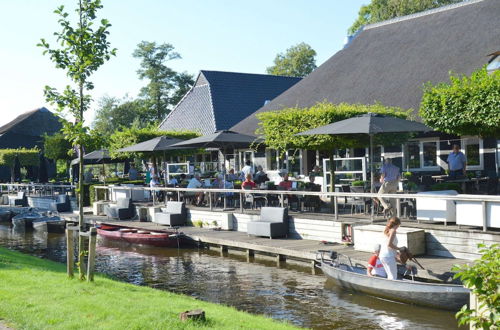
(375, 267)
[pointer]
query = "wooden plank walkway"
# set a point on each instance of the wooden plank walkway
(436, 268)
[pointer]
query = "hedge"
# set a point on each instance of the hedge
(27, 157)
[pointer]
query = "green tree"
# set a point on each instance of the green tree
(114, 113)
(483, 279)
(57, 147)
(166, 87)
(468, 105)
(128, 136)
(297, 61)
(381, 10)
(82, 48)
(279, 128)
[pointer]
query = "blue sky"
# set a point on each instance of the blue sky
(242, 36)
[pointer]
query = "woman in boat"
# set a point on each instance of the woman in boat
(389, 248)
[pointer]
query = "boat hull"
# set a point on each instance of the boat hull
(441, 296)
(161, 239)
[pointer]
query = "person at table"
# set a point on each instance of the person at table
(196, 183)
(132, 173)
(155, 182)
(375, 266)
(248, 183)
(231, 176)
(260, 176)
(247, 169)
(389, 178)
(389, 248)
(286, 184)
(457, 163)
(310, 200)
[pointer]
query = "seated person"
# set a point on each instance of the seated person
(218, 182)
(173, 181)
(286, 184)
(311, 186)
(260, 176)
(132, 173)
(375, 267)
(231, 176)
(155, 182)
(196, 183)
(248, 183)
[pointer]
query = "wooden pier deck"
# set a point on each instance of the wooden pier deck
(436, 268)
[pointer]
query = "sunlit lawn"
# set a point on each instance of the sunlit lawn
(36, 294)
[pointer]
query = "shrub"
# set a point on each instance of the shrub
(483, 279)
(358, 183)
(446, 186)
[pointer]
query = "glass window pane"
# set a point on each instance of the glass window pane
(414, 155)
(430, 154)
(472, 153)
(273, 163)
(294, 162)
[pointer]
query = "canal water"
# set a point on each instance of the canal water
(288, 293)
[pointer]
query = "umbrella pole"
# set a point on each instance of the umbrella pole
(225, 176)
(372, 187)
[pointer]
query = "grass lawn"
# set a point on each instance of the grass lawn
(36, 294)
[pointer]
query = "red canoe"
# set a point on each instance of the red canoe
(137, 236)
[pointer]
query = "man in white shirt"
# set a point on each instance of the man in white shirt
(247, 169)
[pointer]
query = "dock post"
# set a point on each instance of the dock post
(223, 250)
(91, 261)
(250, 255)
(70, 251)
(280, 259)
(314, 269)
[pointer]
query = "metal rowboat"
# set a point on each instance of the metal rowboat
(354, 277)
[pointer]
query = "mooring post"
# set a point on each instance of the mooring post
(70, 250)
(91, 261)
(314, 269)
(250, 255)
(280, 259)
(223, 250)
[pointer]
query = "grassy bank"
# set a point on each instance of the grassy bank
(36, 294)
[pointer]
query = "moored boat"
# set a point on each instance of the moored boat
(137, 236)
(412, 291)
(52, 224)
(26, 219)
(5, 215)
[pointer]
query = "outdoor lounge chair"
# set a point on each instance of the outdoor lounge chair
(273, 222)
(19, 200)
(123, 209)
(172, 215)
(61, 204)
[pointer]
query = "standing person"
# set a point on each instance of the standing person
(231, 176)
(389, 177)
(260, 176)
(389, 248)
(375, 267)
(247, 169)
(457, 163)
(155, 182)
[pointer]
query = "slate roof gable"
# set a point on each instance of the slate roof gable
(218, 100)
(389, 62)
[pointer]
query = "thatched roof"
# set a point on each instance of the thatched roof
(389, 62)
(27, 129)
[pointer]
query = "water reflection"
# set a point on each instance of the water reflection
(288, 293)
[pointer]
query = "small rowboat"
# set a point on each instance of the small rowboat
(354, 277)
(136, 236)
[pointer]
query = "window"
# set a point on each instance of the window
(422, 155)
(414, 155)
(472, 148)
(273, 160)
(430, 154)
(294, 162)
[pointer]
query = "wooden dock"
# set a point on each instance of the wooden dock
(436, 268)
